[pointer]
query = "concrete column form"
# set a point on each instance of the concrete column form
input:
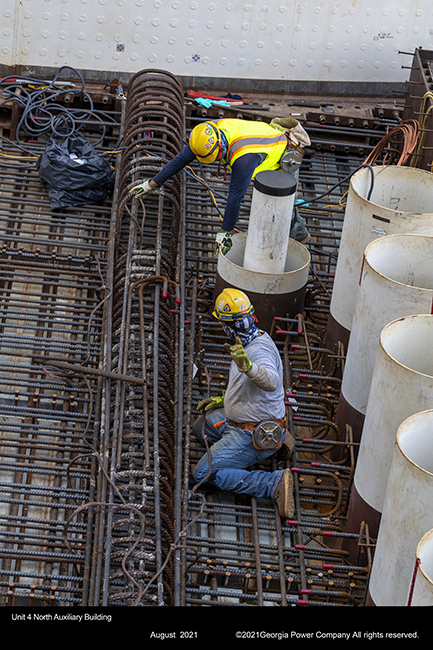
(272, 294)
(396, 280)
(422, 594)
(401, 201)
(401, 385)
(407, 512)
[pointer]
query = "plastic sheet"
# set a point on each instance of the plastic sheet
(74, 173)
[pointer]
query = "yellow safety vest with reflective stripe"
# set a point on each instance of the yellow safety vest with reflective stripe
(253, 137)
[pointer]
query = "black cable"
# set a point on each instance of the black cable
(42, 115)
(316, 198)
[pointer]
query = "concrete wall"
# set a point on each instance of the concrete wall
(312, 41)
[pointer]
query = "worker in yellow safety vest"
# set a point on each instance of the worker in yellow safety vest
(245, 148)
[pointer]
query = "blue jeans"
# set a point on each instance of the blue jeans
(231, 452)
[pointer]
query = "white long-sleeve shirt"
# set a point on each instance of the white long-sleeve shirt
(259, 393)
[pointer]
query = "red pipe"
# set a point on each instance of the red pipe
(412, 586)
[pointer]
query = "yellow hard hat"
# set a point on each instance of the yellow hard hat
(205, 140)
(232, 304)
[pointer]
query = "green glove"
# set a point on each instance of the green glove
(223, 241)
(239, 356)
(211, 403)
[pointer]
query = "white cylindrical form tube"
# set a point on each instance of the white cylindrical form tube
(269, 222)
(401, 201)
(422, 594)
(272, 294)
(407, 513)
(402, 385)
(396, 280)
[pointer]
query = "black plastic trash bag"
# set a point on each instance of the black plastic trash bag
(74, 173)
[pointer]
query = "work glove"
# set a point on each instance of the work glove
(284, 123)
(293, 129)
(299, 137)
(211, 403)
(223, 241)
(239, 356)
(143, 189)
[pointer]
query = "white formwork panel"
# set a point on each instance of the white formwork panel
(9, 30)
(319, 40)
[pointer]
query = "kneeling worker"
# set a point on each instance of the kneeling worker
(245, 148)
(247, 423)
